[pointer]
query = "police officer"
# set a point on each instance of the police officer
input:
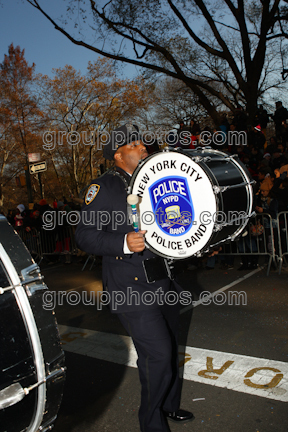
(106, 230)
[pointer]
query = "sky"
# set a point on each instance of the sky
(23, 25)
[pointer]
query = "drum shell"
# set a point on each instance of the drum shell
(17, 359)
(227, 172)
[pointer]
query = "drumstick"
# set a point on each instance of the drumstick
(132, 201)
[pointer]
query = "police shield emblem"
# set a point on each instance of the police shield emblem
(91, 193)
(172, 205)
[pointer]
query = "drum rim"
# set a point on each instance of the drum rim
(32, 331)
(141, 164)
(242, 170)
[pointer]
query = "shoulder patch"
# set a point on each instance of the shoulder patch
(91, 193)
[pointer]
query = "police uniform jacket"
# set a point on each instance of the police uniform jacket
(106, 199)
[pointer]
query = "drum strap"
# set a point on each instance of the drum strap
(120, 173)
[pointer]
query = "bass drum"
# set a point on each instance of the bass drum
(191, 201)
(31, 358)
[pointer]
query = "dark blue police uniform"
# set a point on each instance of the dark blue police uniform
(153, 327)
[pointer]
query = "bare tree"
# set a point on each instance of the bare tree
(194, 41)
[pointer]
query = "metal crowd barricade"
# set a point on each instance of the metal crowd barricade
(32, 241)
(49, 242)
(271, 241)
(58, 241)
(262, 241)
(282, 238)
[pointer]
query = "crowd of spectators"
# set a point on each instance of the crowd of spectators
(21, 218)
(30, 225)
(265, 159)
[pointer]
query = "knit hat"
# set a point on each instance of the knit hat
(258, 128)
(60, 204)
(43, 202)
(21, 208)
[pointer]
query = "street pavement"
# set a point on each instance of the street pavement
(233, 352)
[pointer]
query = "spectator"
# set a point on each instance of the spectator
(262, 119)
(280, 188)
(280, 115)
(271, 145)
(265, 203)
(43, 207)
(194, 128)
(21, 219)
(240, 120)
(263, 173)
(265, 162)
(224, 124)
(257, 139)
(278, 159)
(35, 219)
(219, 141)
(283, 150)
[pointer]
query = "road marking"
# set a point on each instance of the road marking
(212, 295)
(256, 376)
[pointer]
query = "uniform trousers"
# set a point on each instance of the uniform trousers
(155, 335)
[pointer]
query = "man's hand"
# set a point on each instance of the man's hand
(135, 241)
(215, 251)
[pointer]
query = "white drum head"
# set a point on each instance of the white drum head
(176, 204)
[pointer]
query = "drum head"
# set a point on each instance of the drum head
(175, 197)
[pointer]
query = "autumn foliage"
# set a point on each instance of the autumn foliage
(65, 106)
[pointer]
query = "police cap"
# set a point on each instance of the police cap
(121, 136)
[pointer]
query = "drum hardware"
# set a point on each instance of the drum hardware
(28, 273)
(28, 278)
(34, 288)
(218, 227)
(202, 149)
(53, 363)
(15, 392)
(30, 290)
(206, 159)
(220, 189)
(3, 290)
(47, 426)
(198, 159)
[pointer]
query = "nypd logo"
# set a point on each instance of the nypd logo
(174, 192)
(91, 193)
(172, 205)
